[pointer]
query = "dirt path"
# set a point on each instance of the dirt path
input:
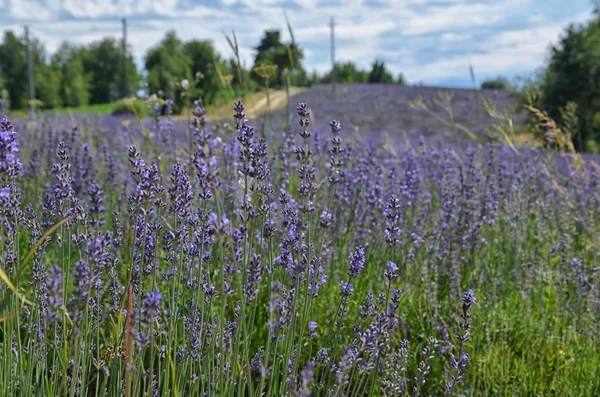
(256, 105)
(278, 99)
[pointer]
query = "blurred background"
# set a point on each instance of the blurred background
(86, 55)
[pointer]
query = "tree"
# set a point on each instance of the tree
(167, 64)
(13, 65)
(270, 42)
(347, 73)
(204, 61)
(572, 75)
(102, 62)
(499, 83)
(287, 57)
(46, 78)
(401, 80)
(4, 98)
(379, 74)
(74, 88)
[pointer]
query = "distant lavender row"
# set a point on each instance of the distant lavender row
(370, 110)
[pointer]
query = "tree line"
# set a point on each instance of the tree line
(93, 74)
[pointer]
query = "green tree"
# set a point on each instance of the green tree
(4, 98)
(204, 61)
(573, 75)
(2, 81)
(46, 79)
(103, 63)
(13, 65)
(499, 83)
(347, 73)
(167, 65)
(379, 74)
(287, 57)
(74, 88)
(270, 42)
(401, 80)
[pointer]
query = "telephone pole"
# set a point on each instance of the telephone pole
(29, 67)
(124, 92)
(332, 26)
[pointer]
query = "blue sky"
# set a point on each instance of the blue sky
(429, 41)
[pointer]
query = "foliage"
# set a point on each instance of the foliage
(401, 80)
(130, 107)
(4, 96)
(379, 74)
(273, 51)
(572, 75)
(14, 69)
(168, 64)
(74, 77)
(93, 74)
(499, 83)
(552, 135)
(349, 73)
(46, 78)
(102, 62)
(75, 91)
(346, 73)
(207, 67)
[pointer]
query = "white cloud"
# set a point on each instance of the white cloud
(345, 30)
(29, 9)
(536, 18)
(459, 15)
(508, 52)
(452, 37)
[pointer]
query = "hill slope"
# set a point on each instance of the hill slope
(371, 111)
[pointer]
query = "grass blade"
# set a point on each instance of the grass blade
(43, 238)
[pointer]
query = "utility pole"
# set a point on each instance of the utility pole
(332, 26)
(124, 92)
(29, 67)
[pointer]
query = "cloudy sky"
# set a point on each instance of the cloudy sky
(429, 41)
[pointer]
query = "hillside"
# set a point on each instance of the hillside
(372, 110)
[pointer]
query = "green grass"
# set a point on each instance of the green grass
(534, 329)
(99, 108)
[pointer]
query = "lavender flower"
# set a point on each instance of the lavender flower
(10, 165)
(391, 273)
(459, 365)
(357, 262)
(312, 326)
(54, 292)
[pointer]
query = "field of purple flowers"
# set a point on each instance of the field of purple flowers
(135, 263)
(375, 113)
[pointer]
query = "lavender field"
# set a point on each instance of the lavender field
(157, 258)
(374, 112)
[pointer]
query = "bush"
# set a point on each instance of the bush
(499, 83)
(131, 106)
